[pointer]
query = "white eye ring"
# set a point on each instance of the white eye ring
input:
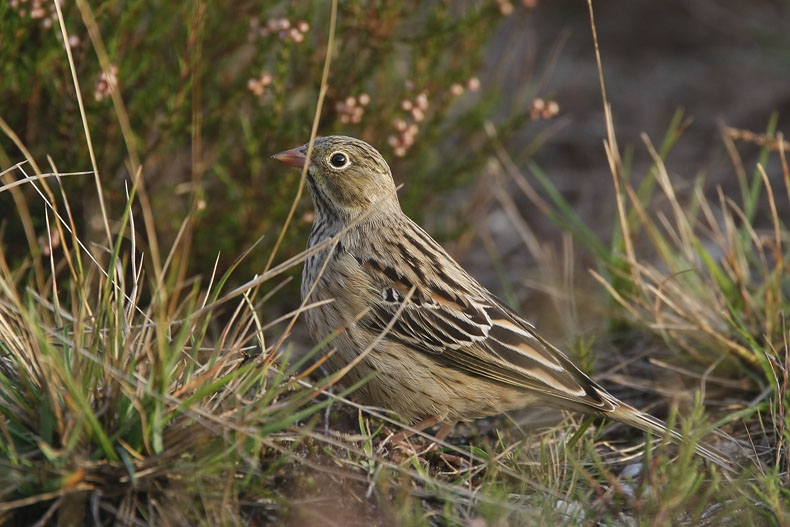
(338, 160)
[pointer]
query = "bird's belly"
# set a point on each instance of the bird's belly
(410, 383)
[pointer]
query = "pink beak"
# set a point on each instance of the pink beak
(293, 158)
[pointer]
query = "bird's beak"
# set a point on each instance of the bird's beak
(293, 158)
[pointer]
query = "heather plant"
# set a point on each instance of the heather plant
(208, 93)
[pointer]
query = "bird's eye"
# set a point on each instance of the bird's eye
(338, 160)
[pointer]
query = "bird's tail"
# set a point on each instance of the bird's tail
(631, 416)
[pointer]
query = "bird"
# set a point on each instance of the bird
(416, 331)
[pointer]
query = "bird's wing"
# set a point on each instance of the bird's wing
(477, 335)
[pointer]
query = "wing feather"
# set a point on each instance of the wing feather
(478, 335)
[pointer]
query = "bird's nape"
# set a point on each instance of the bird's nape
(346, 177)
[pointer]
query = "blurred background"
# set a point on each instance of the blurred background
(443, 89)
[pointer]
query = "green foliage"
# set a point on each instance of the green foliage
(712, 282)
(212, 92)
(706, 281)
(129, 403)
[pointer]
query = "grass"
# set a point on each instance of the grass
(135, 394)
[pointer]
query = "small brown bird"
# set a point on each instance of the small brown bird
(435, 344)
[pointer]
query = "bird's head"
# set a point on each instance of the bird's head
(345, 176)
